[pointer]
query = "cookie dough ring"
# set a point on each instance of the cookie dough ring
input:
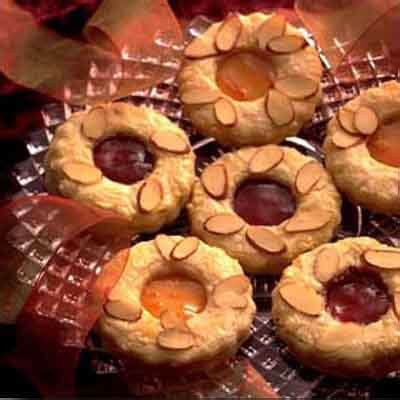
(365, 180)
(265, 249)
(268, 119)
(214, 333)
(317, 338)
(147, 204)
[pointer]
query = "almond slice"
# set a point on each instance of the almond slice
(303, 298)
(228, 33)
(185, 248)
(265, 239)
(297, 87)
(265, 159)
(326, 264)
(311, 221)
(344, 140)
(170, 142)
(94, 123)
(82, 173)
(175, 339)
(123, 310)
(215, 180)
(346, 120)
(170, 320)
(199, 48)
(199, 96)
(230, 299)
(164, 245)
(273, 27)
(386, 259)
(279, 108)
(149, 195)
(224, 224)
(396, 304)
(239, 284)
(225, 112)
(246, 154)
(308, 177)
(286, 44)
(366, 120)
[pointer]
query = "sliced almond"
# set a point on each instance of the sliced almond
(366, 121)
(224, 224)
(326, 264)
(273, 27)
(308, 177)
(215, 180)
(385, 259)
(265, 239)
(303, 222)
(346, 120)
(165, 245)
(230, 299)
(303, 298)
(286, 44)
(228, 33)
(170, 320)
(94, 123)
(239, 284)
(123, 310)
(225, 112)
(297, 87)
(185, 248)
(396, 304)
(170, 142)
(175, 339)
(82, 173)
(199, 96)
(344, 140)
(246, 154)
(149, 195)
(279, 108)
(265, 159)
(199, 48)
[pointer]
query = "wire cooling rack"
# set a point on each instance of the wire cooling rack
(266, 352)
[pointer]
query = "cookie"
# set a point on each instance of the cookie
(126, 159)
(250, 80)
(264, 206)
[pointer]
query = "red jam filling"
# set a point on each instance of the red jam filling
(245, 76)
(384, 145)
(264, 202)
(123, 159)
(177, 294)
(358, 295)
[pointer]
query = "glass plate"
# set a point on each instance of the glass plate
(266, 352)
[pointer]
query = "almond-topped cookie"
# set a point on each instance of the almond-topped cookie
(265, 206)
(250, 80)
(337, 308)
(363, 149)
(179, 302)
(122, 158)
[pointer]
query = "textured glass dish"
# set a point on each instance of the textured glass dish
(265, 351)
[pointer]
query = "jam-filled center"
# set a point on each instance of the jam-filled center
(264, 202)
(177, 294)
(123, 159)
(384, 145)
(245, 75)
(358, 295)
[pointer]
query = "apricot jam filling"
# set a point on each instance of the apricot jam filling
(358, 295)
(245, 75)
(123, 159)
(264, 202)
(175, 293)
(384, 145)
